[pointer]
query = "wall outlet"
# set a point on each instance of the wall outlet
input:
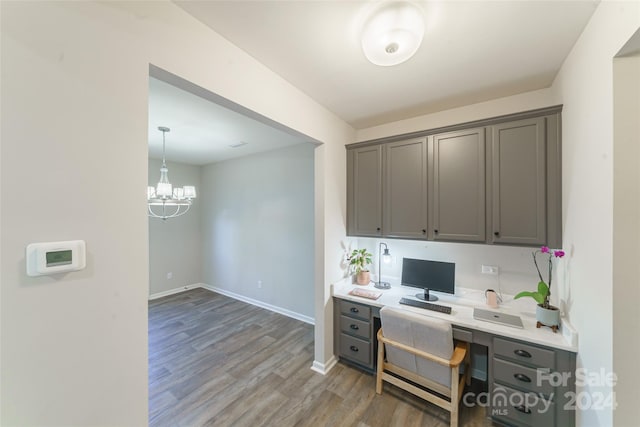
(170, 275)
(259, 284)
(490, 269)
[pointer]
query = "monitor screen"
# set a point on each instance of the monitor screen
(435, 275)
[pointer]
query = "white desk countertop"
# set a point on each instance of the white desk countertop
(462, 305)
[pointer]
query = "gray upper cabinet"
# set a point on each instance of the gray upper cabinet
(497, 181)
(518, 182)
(405, 189)
(364, 191)
(457, 186)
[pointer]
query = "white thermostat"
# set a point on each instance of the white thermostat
(55, 257)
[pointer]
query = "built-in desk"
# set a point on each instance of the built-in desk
(523, 365)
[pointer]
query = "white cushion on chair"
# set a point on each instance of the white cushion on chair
(428, 334)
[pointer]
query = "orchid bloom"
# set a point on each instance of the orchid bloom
(544, 290)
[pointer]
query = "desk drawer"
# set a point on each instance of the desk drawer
(462, 334)
(520, 376)
(355, 349)
(524, 353)
(353, 309)
(356, 327)
(522, 409)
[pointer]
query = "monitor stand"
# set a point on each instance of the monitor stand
(425, 296)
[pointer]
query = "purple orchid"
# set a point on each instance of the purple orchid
(544, 290)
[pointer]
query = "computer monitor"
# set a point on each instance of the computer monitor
(429, 276)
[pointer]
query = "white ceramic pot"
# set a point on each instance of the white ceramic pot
(548, 316)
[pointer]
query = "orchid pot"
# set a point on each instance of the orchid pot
(546, 314)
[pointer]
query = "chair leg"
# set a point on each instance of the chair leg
(454, 417)
(380, 367)
(467, 361)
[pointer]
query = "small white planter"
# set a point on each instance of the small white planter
(549, 317)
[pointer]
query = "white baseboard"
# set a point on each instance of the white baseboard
(280, 310)
(324, 368)
(175, 291)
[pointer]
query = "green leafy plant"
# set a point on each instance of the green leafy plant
(358, 260)
(541, 296)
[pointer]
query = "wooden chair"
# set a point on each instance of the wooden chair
(420, 350)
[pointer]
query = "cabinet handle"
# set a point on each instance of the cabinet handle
(522, 409)
(354, 348)
(378, 229)
(435, 231)
(354, 327)
(522, 353)
(354, 310)
(496, 233)
(522, 377)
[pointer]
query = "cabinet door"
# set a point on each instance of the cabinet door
(518, 182)
(405, 189)
(457, 186)
(364, 191)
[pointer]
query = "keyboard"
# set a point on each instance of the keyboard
(426, 305)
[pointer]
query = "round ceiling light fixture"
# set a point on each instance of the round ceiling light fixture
(393, 33)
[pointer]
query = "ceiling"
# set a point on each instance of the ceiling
(202, 131)
(472, 51)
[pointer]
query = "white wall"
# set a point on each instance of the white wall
(496, 107)
(331, 210)
(258, 225)
(516, 269)
(626, 235)
(585, 86)
(175, 244)
(74, 133)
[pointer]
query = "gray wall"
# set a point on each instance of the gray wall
(257, 225)
(175, 244)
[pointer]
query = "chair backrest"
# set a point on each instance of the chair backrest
(428, 334)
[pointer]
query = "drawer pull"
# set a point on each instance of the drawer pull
(522, 409)
(354, 348)
(354, 327)
(522, 353)
(522, 377)
(354, 310)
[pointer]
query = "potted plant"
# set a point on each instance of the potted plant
(546, 314)
(358, 261)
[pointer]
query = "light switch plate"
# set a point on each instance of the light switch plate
(490, 269)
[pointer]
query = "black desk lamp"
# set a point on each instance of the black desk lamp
(386, 257)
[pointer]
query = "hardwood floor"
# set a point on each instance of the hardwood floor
(215, 361)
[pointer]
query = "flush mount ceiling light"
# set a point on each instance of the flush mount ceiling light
(164, 201)
(393, 33)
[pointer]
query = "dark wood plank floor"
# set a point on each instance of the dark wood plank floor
(215, 361)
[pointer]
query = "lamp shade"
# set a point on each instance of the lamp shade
(189, 192)
(164, 189)
(393, 34)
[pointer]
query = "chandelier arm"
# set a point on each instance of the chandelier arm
(178, 212)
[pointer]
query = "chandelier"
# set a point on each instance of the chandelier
(164, 201)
